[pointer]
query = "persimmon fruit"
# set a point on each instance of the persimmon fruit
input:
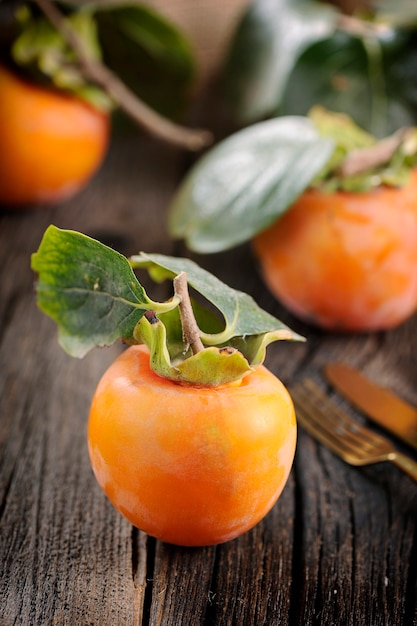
(51, 143)
(343, 260)
(191, 465)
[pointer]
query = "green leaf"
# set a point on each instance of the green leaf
(268, 41)
(241, 315)
(148, 53)
(93, 295)
(88, 289)
(245, 182)
(370, 79)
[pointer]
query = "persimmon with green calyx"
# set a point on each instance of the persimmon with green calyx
(190, 437)
(345, 260)
(333, 225)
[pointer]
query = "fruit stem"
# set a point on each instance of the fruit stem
(190, 330)
(126, 99)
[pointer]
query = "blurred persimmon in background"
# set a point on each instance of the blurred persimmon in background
(51, 143)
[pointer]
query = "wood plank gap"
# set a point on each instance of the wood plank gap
(297, 583)
(8, 315)
(143, 566)
(354, 548)
(410, 609)
(150, 573)
(209, 617)
(27, 434)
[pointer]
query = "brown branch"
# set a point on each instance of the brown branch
(125, 98)
(364, 159)
(190, 330)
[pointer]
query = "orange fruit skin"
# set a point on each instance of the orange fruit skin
(190, 465)
(51, 144)
(345, 261)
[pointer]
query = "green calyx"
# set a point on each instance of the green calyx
(211, 366)
(93, 295)
(359, 161)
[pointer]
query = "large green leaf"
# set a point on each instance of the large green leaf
(362, 77)
(289, 55)
(265, 48)
(88, 289)
(245, 182)
(242, 316)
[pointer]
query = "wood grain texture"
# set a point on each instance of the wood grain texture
(340, 546)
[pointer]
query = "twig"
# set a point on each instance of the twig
(141, 113)
(190, 330)
(364, 159)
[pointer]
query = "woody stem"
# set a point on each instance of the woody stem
(190, 330)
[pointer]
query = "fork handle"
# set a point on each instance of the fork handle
(406, 464)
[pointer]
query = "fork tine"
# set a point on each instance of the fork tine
(337, 430)
(352, 441)
(308, 416)
(346, 426)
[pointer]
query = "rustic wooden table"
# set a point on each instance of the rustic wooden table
(340, 546)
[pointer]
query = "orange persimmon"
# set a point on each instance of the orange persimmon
(191, 465)
(51, 144)
(345, 261)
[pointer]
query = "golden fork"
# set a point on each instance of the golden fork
(349, 439)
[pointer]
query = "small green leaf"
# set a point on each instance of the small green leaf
(242, 316)
(245, 182)
(88, 289)
(265, 48)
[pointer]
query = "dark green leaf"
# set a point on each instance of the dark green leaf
(244, 183)
(88, 289)
(242, 316)
(364, 78)
(265, 48)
